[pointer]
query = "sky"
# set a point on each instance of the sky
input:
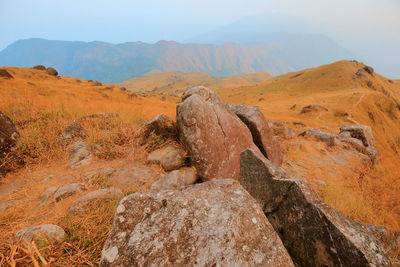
(362, 25)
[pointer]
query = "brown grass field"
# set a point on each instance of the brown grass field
(42, 105)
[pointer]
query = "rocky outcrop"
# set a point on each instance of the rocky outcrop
(52, 71)
(72, 131)
(330, 139)
(80, 154)
(262, 135)
(39, 67)
(176, 179)
(170, 157)
(8, 134)
(215, 223)
(362, 132)
(313, 107)
(104, 195)
(33, 232)
(5, 74)
(315, 234)
(161, 125)
(212, 134)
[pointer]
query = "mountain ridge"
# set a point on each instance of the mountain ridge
(111, 63)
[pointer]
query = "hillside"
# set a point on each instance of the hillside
(42, 105)
(115, 63)
(174, 83)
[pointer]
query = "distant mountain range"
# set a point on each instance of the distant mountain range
(110, 63)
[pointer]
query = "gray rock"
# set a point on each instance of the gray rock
(106, 194)
(281, 130)
(68, 190)
(329, 138)
(215, 223)
(5, 205)
(176, 179)
(313, 107)
(170, 157)
(80, 154)
(262, 135)
(134, 175)
(356, 143)
(33, 232)
(72, 131)
(345, 134)
(212, 134)
(47, 194)
(8, 135)
(318, 235)
(362, 132)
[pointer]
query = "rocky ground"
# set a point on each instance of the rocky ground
(214, 188)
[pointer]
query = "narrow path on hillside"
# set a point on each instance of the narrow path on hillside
(350, 118)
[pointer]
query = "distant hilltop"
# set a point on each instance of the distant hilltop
(110, 63)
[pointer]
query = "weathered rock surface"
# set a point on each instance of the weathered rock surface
(170, 157)
(50, 230)
(313, 107)
(212, 134)
(318, 235)
(80, 154)
(68, 190)
(134, 175)
(5, 205)
(176, 179)
(39, 67)
(52, 71)
(329, 138)
(161, 125)
(47, 194)
(5, 74)
(105, 194)
(72, 131)
(8, 134)
(362, 132)
(216, 223)
(107, 171)
(262, 135)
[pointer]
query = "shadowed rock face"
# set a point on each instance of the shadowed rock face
(262, 135)
(213, 135)
(215, 223)
(362, 132)
(8, 134)
(315, 234)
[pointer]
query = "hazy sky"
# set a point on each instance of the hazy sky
(151, 20)
(368, 27)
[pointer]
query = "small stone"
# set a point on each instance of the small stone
(176, 179)
(80, 154)
(68, 190)
(170, 157)
(72, 131)
(107, 171)
(106, 194)
(46, 195)
(33, 232)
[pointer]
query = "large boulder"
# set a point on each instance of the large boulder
(72, 131)
(39, 67)
(216, 223)
(8, 134)
(362, 132)
(52, 71)
(315, 234)
(176, 179)
(262, 135)
(170, 157)
(213, 135)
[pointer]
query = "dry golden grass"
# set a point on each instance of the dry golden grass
(42, 105)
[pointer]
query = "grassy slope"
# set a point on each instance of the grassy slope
(335, 86)
(42, 105)
(168, 82)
